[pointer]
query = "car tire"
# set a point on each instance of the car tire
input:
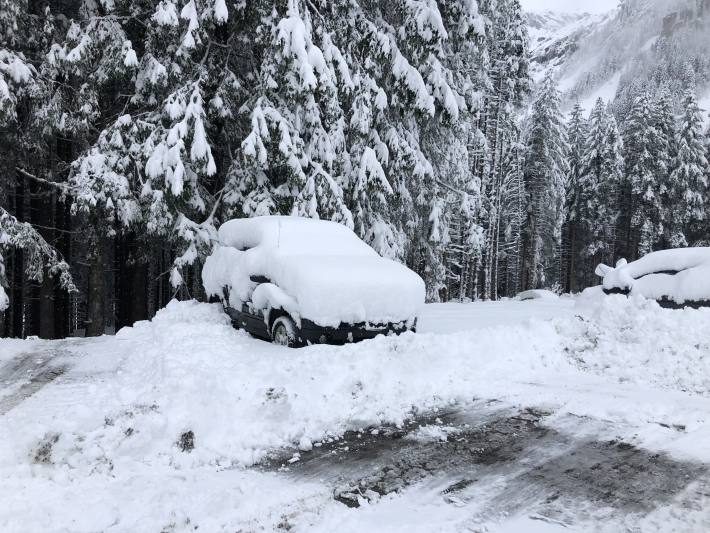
(284, 332)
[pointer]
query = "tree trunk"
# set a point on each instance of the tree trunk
(96, 293)
(46, 289)
(46, 309)
(17, 313)
(572, 274)
(139, 307)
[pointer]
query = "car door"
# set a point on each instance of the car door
(252, 320)
(246, 317)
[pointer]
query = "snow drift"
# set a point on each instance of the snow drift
(115, 420)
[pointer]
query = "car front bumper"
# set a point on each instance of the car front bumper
(312, 333)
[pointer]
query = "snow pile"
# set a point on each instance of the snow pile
(189, 372)
(681, 275)
(633, 340)
(318, 270)
(537, 294)
(168, 411)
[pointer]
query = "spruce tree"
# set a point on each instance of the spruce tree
(600, 179)
(645, 178)
(546, 169)
(665, 124)
(577, 132)
(508, 83)
(40, 257)
(686, 199)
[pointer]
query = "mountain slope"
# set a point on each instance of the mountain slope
(555, 37)
(658, 45)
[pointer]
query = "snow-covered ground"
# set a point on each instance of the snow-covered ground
(449, 318)
(182, 423)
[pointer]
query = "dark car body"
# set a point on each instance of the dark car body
(254, 322)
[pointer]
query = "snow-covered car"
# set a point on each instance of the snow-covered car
(675, 278)
(299, 281)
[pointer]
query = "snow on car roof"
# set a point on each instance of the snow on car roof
(680, 275)
(293, 236)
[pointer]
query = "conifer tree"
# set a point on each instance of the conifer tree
(546, 168)
(577, 132)
(685, 205)
(644, 178)
(41, 257)
(600, 179)
(508, 83)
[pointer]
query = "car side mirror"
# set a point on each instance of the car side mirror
(259, 279)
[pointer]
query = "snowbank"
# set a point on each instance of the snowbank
(319, 270)
(537, 294)
(681, 275)
(188, 370)
(634, 340)
(114, 425)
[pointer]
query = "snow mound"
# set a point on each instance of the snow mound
(680, 275)
(537, 294)
(317, 270)
(189, 371)
(634, 340)
(168, 411)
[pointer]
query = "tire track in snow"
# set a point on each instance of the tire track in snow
(29, 373)
(502, 462)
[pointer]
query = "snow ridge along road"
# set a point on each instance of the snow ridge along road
(163, 427)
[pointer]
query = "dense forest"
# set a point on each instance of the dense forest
(132, 128)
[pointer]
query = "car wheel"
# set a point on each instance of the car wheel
(283, 332)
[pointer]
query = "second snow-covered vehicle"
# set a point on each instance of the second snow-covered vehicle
(674, 278)
(299, 281)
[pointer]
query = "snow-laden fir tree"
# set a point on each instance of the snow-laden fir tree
(600, 179)
(298, 130)
(40, 257)
(546, 169)
(665, 124)
(148, 171)
(508, 82)
(508, 272)
(577, 133)
(687, 195)
(645, 178)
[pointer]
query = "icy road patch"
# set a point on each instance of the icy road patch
(169, 425)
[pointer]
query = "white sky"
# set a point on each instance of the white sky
(591, 6)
